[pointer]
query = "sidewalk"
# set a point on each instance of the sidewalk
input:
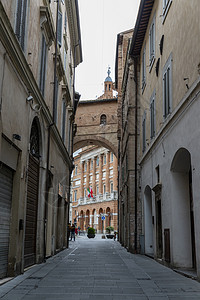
(99, 269)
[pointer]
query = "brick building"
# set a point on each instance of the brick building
(96, 170)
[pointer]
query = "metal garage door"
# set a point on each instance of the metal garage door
(31, 213)
(6, 180)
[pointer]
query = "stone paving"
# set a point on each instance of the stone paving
(99, 269)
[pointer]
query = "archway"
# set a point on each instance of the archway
(108, 217)
(183, 231)
(87, 219)
(81, 220)
(32, 196)
(148, 226)
(100, 221)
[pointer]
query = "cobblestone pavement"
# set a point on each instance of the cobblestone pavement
(99, 269)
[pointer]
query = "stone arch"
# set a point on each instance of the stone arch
(81, 141)
(87, 219)
(100, 221)
(81, 220)
(148, 226)
(108, 217)
(183, 231)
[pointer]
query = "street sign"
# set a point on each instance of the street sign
(103, 218)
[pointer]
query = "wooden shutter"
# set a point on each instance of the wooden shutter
(20, 28)
(43, 65)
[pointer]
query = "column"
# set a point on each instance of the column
(107, 172)
(100, 174)
(94, 177)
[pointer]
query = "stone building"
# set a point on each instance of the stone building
(37, 107)
(126, 138)
(94, 189)
(165, 57)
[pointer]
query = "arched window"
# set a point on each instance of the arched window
(34, 140)
(103, 120)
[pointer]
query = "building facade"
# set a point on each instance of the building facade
(37, 108)
(94, 189)
(166, 96)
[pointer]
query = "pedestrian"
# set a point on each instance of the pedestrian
(79, 230)
(68, 230)
(115, 233)
(73, 232)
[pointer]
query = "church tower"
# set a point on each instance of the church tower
(108, 87)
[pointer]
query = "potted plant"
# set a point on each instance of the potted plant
(109, 229)
(91, 232)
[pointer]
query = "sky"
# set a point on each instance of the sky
(100, 22)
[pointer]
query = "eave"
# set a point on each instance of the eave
(142, 21)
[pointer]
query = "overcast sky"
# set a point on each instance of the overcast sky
(101, 21)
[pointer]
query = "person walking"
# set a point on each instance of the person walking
(73, 232)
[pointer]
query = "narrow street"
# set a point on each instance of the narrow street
(99, 269)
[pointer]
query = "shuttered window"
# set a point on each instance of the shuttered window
(63, 120)
(43, 65)
(152, 116)
(56, 102)
(144, 68)
(167, 88)
(20, 28)
(152, 43)
(59, 28)
(166, 6)
(144, 132)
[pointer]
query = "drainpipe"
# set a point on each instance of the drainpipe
(136, 146)
(49, 135)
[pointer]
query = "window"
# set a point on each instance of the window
(55, 108)
(111, 187)
(166, 6)
(152, 116)
(111, 157)
(104, 174)
(85, 167)
(109, 87)
(97, 161)
(144, 132)
(63, 125)
(104, 188)
(144, 68)
(167, 87)
(65, 23)
(91, 165)
(43, 65)
(152, 44)
(20, 26)
(97, 190)
(75, 195)
(85, 193)
(104, 159)
(76, 168)
(59, 28)
(103, 120)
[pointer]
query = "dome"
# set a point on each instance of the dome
(108, 79)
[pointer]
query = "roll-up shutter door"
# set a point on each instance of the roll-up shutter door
(31, 213)
(6, 182)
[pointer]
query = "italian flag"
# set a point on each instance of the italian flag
(90, 192)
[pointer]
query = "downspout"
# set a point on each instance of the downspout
(49, 135)
(136, 146)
